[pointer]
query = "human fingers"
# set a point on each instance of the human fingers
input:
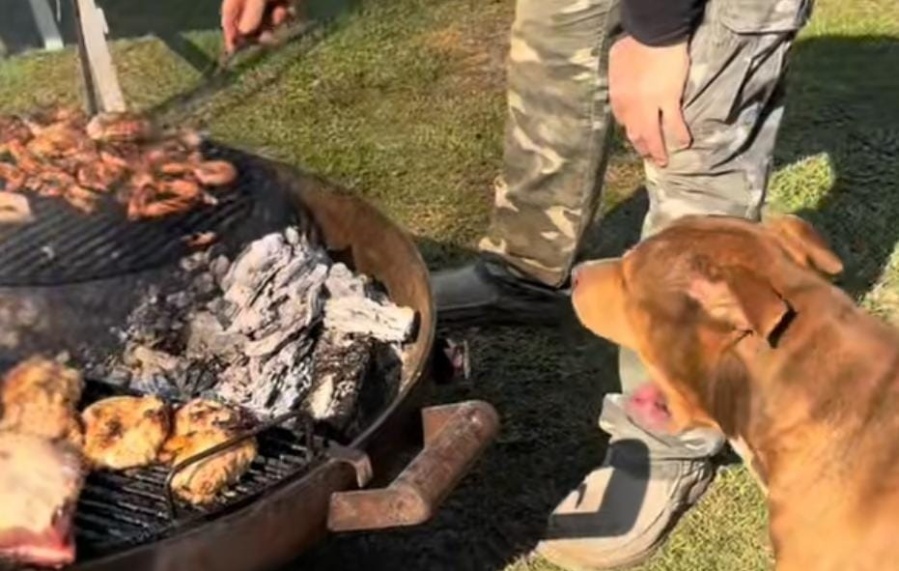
(251, 16)
(230, 14)
(646, 135)
(677, 134)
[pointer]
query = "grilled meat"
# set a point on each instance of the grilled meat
(58, 140)
(13, 129)
(99, 176)
(39, 486)
(215, 173)
(119, 127)
(14, 208)
(124, 432)
(198, 426)
(38, 396)
(12, 176)
(60, 153)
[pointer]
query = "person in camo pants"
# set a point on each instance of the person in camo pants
(699, 86)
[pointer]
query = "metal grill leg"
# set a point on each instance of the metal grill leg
(94, 51)
(46, 25)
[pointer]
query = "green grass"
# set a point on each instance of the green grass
(403, 102)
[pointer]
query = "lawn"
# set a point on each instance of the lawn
(403, 102)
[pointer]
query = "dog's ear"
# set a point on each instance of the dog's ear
(804, 244)
(740, 298)
(599, 298)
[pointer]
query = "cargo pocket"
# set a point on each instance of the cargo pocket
(765, 16)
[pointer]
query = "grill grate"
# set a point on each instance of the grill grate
(121, 509)
(63, 245)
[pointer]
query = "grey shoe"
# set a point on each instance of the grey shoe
(489, 292)
(622, 512)
(625, 509)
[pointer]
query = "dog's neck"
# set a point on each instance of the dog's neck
(794, 384)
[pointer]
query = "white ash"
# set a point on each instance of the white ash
(280, 328)
(354, 307)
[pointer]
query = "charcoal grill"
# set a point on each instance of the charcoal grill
(302, 485)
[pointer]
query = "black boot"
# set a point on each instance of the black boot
(488, 292)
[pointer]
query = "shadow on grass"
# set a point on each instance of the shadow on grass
(167, 20)
(843, 102)
(548, 384)
(170, 21)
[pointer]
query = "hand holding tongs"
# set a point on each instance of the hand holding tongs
(103, 93)
(102, 90)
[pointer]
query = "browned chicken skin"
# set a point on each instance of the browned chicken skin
(14, 208)
(39, 396)
(60, 153)
(124, 432)
(198, 426)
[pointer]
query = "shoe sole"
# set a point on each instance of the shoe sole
(559, 560)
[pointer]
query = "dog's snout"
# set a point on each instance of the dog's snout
(575, 275)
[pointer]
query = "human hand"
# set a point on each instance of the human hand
(646, 87)
(251, 20)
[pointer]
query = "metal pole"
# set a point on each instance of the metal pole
(102, 85)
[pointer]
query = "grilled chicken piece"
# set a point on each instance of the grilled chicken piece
(58, 152)
(200, 425)
(24, 159)
(81, 198)
(58, 140)
(125, 432)
(13, 128)
(39, 396)
(14, 209)
(115, 127)
(12, 176)
(99, 176)
(39, 487)
(215, 173)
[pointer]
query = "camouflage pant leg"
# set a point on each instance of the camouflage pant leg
(557, 132)
(733, 104)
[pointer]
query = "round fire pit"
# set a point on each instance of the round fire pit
(303, 484)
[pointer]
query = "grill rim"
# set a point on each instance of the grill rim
(291, 515)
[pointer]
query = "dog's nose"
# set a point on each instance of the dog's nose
(575, 275)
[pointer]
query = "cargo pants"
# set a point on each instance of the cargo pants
(558, 134)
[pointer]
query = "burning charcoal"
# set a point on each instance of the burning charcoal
(272, 301)
(247, 271)
(197, 379)
(179, 300)
(294, 387)
(156, 385)
(292, 235)
(206, 284)
(153, 362)
(195, 261)
(272, 386)
(207, 337)
(349, 310)
(362, 316)
(280, 328)
(118, 376)
(219, 267)
(342, 283)
(340, 364)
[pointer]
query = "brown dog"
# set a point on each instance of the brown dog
(741, 331)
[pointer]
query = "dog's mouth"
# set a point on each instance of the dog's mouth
(648, 408)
